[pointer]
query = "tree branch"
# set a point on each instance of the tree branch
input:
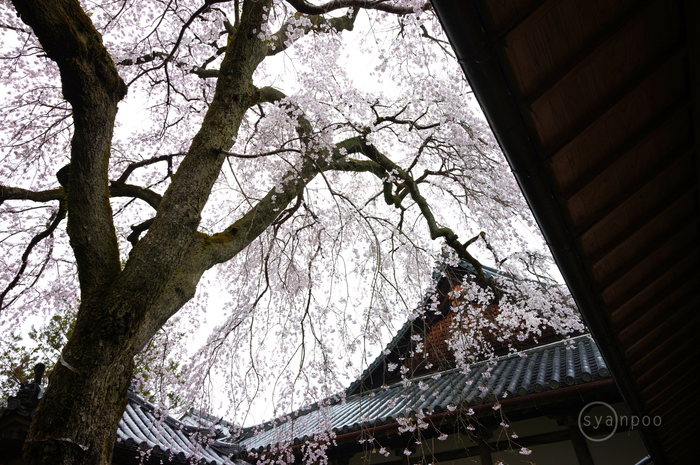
(269, 94)
(258, 155)
(225, 245)
(382, 5)
(451, 239)
(92, 86)
(184, 28)
(132, 166)
(17, 193)
(137, 230)
(280, 40)
(127, 190)
(124, 190)
(53, 224)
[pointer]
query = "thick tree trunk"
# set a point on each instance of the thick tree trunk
(76, 420)
(120, 310)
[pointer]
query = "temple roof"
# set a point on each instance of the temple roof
(544, 369)
(143, 429)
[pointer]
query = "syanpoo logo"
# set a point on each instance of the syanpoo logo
(599, 421)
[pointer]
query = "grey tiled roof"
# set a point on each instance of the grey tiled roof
(142, 429)
(541, 369)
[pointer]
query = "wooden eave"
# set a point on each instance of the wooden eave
(596, 105)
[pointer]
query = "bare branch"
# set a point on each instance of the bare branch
(123, 190)
(451, 239)
(259, 155)
(137, 230)
(127, 190)
(411, 123)
(206, 73)
(200, 71)
(147, 58)
(382, 5)
(17, 193)
(269, 95)
(56, 218)
(130, 169)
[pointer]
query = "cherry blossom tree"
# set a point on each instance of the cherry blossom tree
(313, 156)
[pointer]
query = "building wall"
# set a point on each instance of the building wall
(551, 434)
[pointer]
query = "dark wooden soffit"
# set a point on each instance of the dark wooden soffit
(596, 105)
